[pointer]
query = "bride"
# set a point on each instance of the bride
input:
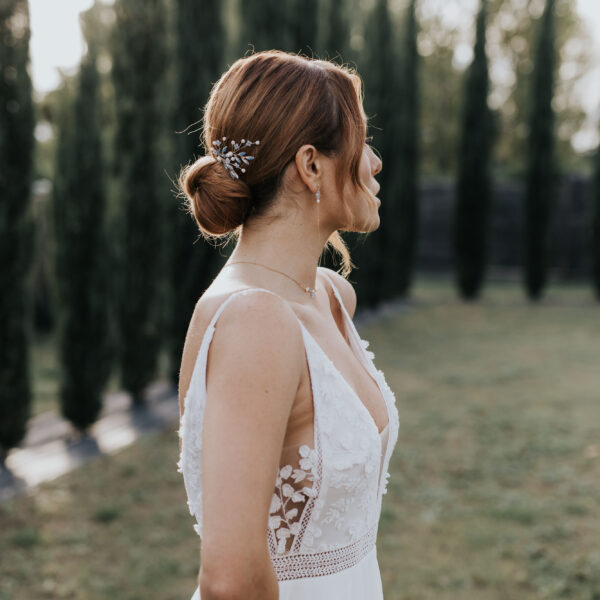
(287, 426)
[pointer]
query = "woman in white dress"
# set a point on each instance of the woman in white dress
(287, 426)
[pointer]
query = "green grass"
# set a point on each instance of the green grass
(117, 528)
(495, 481)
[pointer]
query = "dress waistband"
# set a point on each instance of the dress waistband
(298, 566)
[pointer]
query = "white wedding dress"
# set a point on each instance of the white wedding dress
(326, 504)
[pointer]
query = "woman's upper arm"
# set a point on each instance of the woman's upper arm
(254, 367)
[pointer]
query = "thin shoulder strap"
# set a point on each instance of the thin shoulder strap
(190, 429)
(233, 295)
(339, 297)
(199, 371)
(211, 326)
(350, 323)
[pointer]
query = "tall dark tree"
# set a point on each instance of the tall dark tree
(199, 61)
(595, 198)
(336, 38)
(474, 187)
(542, 170)
(510, 23)
(510, 26)
(291, 25)
(267, 28)
(139, 58)
(16, 233)
(304, 25)
(378, 66)
(402, 220)
(82, 268)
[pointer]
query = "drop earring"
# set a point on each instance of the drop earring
(318, 197)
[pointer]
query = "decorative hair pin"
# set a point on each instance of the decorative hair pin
(233, 159)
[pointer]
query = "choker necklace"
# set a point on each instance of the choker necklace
(311, 291)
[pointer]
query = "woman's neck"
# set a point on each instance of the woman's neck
(284, 245)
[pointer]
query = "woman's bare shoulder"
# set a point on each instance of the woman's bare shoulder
(345, 288)
(256, 323)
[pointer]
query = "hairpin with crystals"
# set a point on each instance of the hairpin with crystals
(232, 158)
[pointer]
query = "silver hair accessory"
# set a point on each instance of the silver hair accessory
(232, 158)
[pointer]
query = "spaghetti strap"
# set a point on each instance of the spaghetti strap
(337, 294)
(198, 379)
(200, 369)
(356, 340)
(232, 295)
(193, 413)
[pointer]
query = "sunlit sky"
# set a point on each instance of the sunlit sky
(56, 41)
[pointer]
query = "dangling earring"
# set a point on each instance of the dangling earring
(318, 198)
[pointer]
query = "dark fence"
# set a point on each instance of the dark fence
(569, 248)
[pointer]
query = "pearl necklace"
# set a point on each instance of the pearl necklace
(311, 291)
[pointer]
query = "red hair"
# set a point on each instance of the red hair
(288, 100)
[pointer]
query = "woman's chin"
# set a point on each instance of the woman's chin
(375, 219)
(376, 224)
(367, 223)
(371, 225)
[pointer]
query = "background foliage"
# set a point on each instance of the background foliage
(149, 67)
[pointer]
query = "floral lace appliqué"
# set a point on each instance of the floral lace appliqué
(385, 483)
(284, 519)
(365, 345)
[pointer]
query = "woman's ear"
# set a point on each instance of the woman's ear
(309, 165)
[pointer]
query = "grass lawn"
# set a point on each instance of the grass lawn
(495, 482)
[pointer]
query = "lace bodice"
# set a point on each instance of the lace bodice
(327, 496)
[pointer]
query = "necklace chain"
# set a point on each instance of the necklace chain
(308, 290)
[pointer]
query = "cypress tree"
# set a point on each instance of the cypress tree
(379, 65)
(402, 219)
(199, 61)
(266, 25)
(595, 197)
(290, 25)
(16, 229)
(139, 57)
(541, 175)
(336, 39)
(473, 189)
(79, 203)
(303, 25)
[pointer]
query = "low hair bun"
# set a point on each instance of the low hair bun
(218, 203)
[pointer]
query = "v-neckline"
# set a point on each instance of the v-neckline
(350, 388)
(370, 368)
(347, 319)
